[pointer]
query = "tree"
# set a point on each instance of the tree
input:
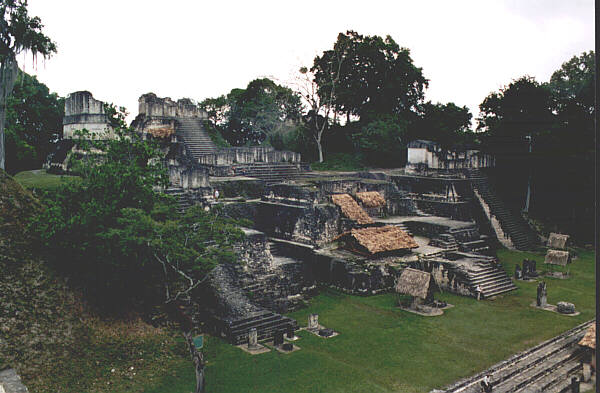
(119, 238)
(572, 88)
(33, 123)
(19, 33)
(446, 124)
(252, 115)
(382, 140)
(376, 76)
(523, 108)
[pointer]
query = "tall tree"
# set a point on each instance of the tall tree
(19, 33)
(446, 124)
(33, 123)
(259, 110)
(521, 109)
(572, 89)
(376, 76)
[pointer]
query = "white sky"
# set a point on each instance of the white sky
(119, 50)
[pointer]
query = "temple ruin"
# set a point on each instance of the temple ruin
(356, 232)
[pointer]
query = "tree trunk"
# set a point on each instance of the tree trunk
(198, 360)
(8, 75)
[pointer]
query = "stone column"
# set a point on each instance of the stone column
(252, 339)
(290, 331)
(313, 321)
(278, 339)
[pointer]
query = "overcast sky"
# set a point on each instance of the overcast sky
(121, 49)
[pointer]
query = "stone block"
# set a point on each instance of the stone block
(565, 308)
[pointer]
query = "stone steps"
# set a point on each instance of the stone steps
(521, 235)
(491, 279)
(546, 367)
(196, 139)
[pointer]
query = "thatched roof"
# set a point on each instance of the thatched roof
(382, 239)
(557, 257)
(557, 240)
(351, 209)
(371, 199)
(589, 340)
(414, 282)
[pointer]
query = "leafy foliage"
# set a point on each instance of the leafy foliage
(19, 32)
(446, 124)
(249, 116)
(382, 140)
(118, 237)
(377, 76)
(33, 123)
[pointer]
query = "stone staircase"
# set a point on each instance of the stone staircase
(490, 277)
(445, 241)
(547, 367)
(266, 324)
(183, 202)
(522, 236)
(197, 141)
(271, 172)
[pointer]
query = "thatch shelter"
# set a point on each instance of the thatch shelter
(589, 340)
(376, 240)
(371, 199)
(416, 283)
(557, 241)
(351, 209)
(557, 257)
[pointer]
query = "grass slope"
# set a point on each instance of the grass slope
(39, 179)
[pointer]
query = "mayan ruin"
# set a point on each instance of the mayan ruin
(180, 216)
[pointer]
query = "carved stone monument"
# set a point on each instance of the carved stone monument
(541, 300)
(518, 272)
(290, 332)
(313, 321)
(278, 338)
(252, 339)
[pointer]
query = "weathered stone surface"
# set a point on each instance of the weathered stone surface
(83, 111)
(557, 257)
(565, 308)
(557, 240)
(10, 382)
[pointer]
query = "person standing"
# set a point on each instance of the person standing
(478, 292)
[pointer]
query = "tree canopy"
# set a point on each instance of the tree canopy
(376, 76)
(118, 237)
(33, 123)
(251, 115)
(19, 32)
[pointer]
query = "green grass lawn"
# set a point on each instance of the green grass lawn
(41, 180)
(384, 349)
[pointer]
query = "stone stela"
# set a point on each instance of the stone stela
(313, 322)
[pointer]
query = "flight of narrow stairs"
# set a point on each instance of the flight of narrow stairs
(490, 277)
(522, 236)
(196, 139)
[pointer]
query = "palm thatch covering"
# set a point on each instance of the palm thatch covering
(557, 240)
(375, 240)
(557, 257)
(589, 340)
(371, 199)
(415, 283)
(351, 209)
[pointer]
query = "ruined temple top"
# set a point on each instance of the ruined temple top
(81, 102)
(152, 105)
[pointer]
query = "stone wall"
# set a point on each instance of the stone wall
(448, 277)
(249, 155)
(152, 106)
(82, 111)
